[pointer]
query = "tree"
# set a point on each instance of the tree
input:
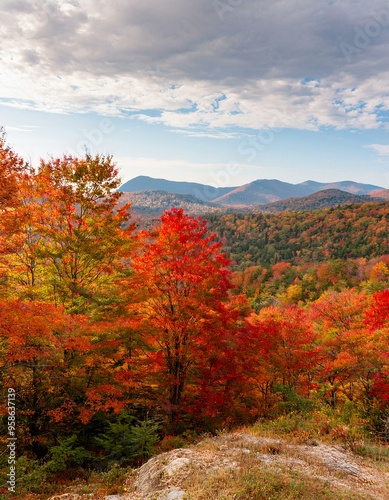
(184, 283)
(23, 264)
(62, 367)
(377, 315)
(13, 170)
(376, 320)
(11, 166)
(74, 237)
(286, 351)
(37, 342)
(338, 323)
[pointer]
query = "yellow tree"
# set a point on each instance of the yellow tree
(70, 236)
(88, 236)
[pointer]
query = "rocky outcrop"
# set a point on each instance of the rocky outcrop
(169, 476)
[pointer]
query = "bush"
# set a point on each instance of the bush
(128, 439)
(293, 402)
(32, 477)
(66, 456)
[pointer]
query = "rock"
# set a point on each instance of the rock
(66, 496)
(176, 464)
(172, 494)
(117, 497)
(169, 475)
(155, 475)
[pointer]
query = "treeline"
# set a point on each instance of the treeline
(326, 198)
(346, 232)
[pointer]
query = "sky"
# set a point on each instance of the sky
(221, 92)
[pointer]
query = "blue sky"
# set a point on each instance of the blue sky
(215, 91)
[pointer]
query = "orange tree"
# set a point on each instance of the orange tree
(72, 239)
(11, 167)
(13, 170)
(66, 248)
(376, 348)
(287, 356)
(40, 350)
(338, 323)
(62, 372)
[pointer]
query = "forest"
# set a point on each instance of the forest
(343, 232)
(115, 339)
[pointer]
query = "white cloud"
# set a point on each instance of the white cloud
(218, 134)
(22, 128)
(260, 64)
(381, 149)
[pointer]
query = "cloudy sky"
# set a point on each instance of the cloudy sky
(215, 91)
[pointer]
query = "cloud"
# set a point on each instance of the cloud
(190, 65)
(22, 128)
(218, 134)
(381, 149)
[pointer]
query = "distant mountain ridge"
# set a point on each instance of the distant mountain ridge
(151, 203)
(261, 191)
(382, 193)
(201, 191)
(325, 198)
(265, 191)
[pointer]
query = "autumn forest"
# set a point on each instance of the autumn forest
(116, 336)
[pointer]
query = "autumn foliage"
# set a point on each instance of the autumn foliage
(101, 322)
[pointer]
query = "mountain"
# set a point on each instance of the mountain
(264, 191)
(348, 186)
(381, 193)
(151, 203)
(325, 198)
(201, 191)
(261, 191)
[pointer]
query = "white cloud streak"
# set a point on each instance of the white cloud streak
(381, 149)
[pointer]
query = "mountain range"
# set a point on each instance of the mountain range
(151, 196)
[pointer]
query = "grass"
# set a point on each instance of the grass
(373, 451)
(328, 426)
(252, 483)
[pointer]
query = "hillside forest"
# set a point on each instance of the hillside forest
(115, 338)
